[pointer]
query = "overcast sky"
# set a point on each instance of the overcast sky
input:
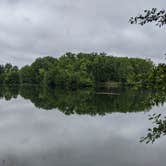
(37, 28)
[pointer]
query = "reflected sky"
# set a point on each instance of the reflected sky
(33, 136)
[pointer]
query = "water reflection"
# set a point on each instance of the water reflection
(86, 101)
(38, 138)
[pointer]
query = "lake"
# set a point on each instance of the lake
(43, 127)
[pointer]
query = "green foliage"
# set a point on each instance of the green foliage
(9, 74)
(26, 75)
(12, 78)
(157, 78)
(84, 70)
(73, 71)
(157, 131)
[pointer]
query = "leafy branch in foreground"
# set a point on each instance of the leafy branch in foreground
(157, 131)
(149, 16)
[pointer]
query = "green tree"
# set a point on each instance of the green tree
(12, 78)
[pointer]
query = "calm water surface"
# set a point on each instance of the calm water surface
(40, 127)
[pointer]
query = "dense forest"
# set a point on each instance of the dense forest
(73, 71)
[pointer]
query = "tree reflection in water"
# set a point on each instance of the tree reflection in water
(89, 102)
(86, 101)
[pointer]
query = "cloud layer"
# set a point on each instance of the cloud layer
(29, 29)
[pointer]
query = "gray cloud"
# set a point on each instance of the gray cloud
(29, 29)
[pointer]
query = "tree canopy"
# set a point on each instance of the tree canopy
(73, 71)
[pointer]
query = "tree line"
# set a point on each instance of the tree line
(86, 70)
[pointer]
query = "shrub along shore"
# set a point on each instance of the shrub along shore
(74, 71)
